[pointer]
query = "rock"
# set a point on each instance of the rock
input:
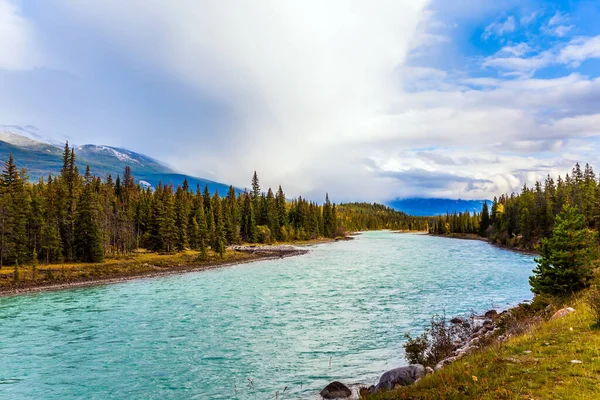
(429, 370)
(576, 362)
(402, 376)
(491, 314)
(466, 325)
(488, 323)
(562, 312)
(335, 390)
(445, 362)
(456, 320)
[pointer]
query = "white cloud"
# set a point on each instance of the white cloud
(516, 50)
(324, 98)
(529, 18)
(497, 29)
(18, 49)
(557, 19)
(557, 25)
(579, 50)
(572, 54)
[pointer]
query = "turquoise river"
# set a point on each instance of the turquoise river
(287, 326)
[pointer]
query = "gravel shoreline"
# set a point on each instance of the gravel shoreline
(261, 253)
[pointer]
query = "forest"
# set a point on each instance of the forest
(80, 217)
(522, 220)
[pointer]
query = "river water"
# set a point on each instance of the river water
(287, 326)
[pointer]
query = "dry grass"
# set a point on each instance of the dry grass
(137, 264)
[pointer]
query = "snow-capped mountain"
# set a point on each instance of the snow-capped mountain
(25, 135)
(42, 156)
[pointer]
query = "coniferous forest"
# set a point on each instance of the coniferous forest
(523, 219)
(80, 217)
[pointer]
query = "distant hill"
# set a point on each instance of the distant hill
(41, 156)
(431, 207)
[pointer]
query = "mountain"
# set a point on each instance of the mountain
(431, 207)
(42, 156)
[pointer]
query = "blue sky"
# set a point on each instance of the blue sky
(367, 101)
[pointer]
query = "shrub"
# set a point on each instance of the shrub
(436, 343)
(415, 348)
(264, 234)
(593, 301)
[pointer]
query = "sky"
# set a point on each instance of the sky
(365, 100)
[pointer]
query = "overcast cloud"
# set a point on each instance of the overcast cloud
(369, 101)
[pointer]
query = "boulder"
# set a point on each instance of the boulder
(445, 362)
(402, 376)
(562, 312)
(336, 390)
(491, 314)
(456, 320)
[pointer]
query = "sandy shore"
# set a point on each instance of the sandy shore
(260, 253)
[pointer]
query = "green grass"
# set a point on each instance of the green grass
(536, 365)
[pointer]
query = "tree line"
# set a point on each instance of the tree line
(523, 219)
(366, 216)
(81, 217)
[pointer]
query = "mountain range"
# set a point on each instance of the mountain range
(42, 155)
(431, 207)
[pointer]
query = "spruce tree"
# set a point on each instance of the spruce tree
(218, 240)
(485, 220)
(566, 258)
(88, 244)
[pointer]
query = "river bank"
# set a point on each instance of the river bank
(470, 236)
(551, 353)
(137, 266)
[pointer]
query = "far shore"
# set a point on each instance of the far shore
(236, 256)
(467, 236)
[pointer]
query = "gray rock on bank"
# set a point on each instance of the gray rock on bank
(402, 376)
(336, 390)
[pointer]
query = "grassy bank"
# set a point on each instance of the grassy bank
(138, 264)
(534, 365)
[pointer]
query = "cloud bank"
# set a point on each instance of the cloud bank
(366, 101)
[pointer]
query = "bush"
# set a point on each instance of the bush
(415, 348)
(264, 234)
(436, 343)
(593, 301)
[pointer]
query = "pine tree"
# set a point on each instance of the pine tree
(485, 220)
(88, 245)
(218, 241)
(202, 230)
(281, 214)
(182, 211)
(272, 217)
(248, 223)
(14, 209)
(566, 258)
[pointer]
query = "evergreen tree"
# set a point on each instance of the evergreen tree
(248, 223)
(88, 236)
(219, 240)
(485, 220)
(566, 258)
